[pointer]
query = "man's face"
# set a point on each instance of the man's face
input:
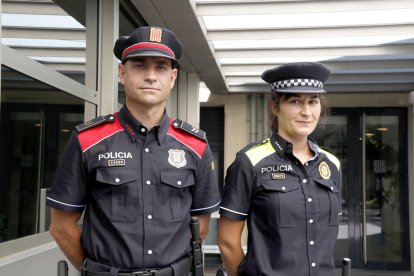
(147, 81)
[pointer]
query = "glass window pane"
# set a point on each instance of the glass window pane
(34, 127)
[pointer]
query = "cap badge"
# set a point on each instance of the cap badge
(155, 35)
(176, 158)
(324, 170)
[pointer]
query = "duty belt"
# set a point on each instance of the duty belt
(183, 267)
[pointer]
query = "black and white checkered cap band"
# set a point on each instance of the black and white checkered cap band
(296, 83)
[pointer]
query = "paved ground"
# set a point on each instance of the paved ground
(354, 272)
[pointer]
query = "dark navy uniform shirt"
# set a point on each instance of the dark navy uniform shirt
(139, 188)
(292, 209)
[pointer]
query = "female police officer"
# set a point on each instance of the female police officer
(138, 174)
(286, 187)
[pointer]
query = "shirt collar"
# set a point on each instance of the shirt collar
(130, 124)
(314, 148)
(282, 146)
(134, 127)
(163, 128)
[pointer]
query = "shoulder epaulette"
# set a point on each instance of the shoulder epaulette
(179, 124)
(259, 151)
(95, 122)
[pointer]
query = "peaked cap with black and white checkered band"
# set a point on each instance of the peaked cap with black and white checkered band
(298, 77)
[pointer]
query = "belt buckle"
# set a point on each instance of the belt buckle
(150, 272)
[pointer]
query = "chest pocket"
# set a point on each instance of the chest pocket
(116, 193)
(329, 208)
(284, 202)
(175, 194)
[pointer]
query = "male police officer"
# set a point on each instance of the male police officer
(138, 174)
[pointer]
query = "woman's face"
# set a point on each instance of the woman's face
(297, 115)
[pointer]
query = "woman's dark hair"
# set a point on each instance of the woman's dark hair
(278, 98)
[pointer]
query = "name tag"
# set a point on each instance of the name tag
(278, 176)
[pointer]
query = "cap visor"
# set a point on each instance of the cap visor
(302, 89)
(148, 54)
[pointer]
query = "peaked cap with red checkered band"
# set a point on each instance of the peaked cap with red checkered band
(297, 77)
(149, 42)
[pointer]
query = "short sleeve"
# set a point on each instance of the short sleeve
(238, 188)
(206, 194)
(68, 188)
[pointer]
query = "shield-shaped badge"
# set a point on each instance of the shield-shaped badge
(176, 158)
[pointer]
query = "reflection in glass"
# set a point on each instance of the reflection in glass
(382, 194)
(34, 124)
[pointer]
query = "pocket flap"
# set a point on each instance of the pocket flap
(328, 184)
(280, 186)
(115, 176)
(177, 178)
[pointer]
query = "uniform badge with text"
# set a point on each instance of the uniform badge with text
(115, 159)
(176, 158)
(277, 171)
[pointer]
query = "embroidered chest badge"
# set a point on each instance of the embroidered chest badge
(176, 158)
(324, 170)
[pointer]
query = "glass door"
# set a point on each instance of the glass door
(371, 144)
(384, 181)
(21, 182)
(32, 138)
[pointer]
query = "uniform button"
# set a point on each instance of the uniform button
(178, 182)
(117, 180)
(149, 217)
(332, 188)
(142, 129)
(148, 182)
(311, 221)
(306, 163)
(149, 252)
(311, 242)
(111, 118)
(310, 199)
(175, 124)
(146, 149)
(313, 264)
(304, 181)
(283, 188)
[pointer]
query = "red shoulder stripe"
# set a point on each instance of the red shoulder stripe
(93, 136)
(195, 144)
